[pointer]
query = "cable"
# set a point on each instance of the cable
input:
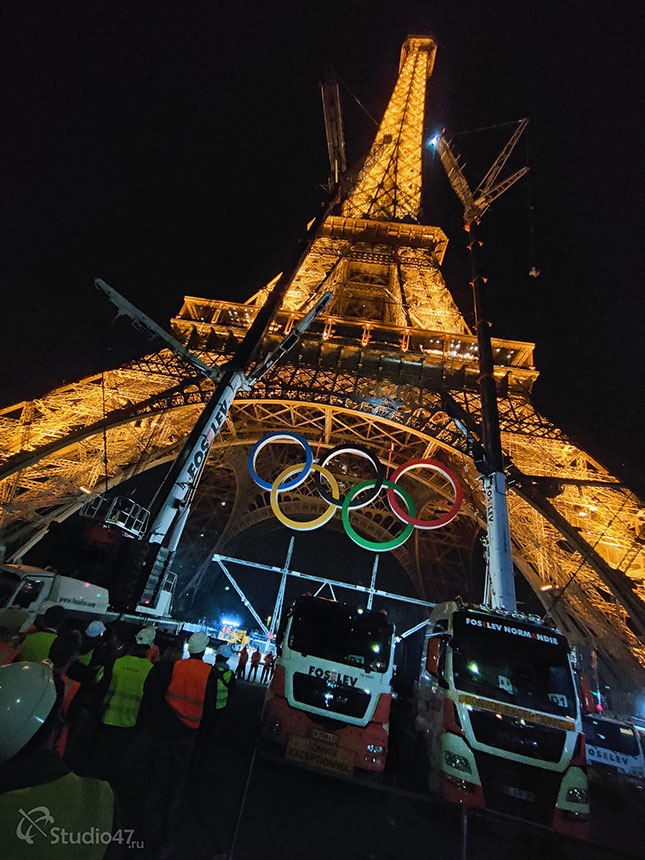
(485, 128)
(356, 99)
(533, 271)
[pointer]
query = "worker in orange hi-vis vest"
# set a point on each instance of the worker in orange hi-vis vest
(267, 668)
(256, 656)
(243, 658)
(184, 696)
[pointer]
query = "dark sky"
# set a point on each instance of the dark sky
(176, 148)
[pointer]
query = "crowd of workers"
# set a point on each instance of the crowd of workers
(102, 725)
(256, 658)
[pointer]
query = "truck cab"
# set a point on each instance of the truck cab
(498, 713)
(613, 750)
(328, 703)
(35, 590)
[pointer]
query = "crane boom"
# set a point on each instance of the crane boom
(476, 202)
(333, 128)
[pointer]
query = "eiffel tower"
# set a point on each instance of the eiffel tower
(376, 368)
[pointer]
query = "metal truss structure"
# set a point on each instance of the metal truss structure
(376, 368)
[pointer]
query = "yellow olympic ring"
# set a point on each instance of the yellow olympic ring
(312, 524)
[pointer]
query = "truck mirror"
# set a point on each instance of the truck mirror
(432, 655)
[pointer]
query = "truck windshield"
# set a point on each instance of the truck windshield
(512, 662)
(333, 631)
(28, 592)
(611, 736)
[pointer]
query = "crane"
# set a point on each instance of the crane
(500, 584)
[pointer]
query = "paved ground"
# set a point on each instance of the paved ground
(285, 813)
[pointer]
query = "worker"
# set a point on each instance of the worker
(125, 687)
(256, 656)
(86, 708)
(11, 620)
(242, 660)
(91, 638)
(65, 650)
(34, 780)
(225, 685)
(187, 687)
(117, 733)
(35, 646)
(214, 725)
(267, 668)
(147, 635)
(191, 694)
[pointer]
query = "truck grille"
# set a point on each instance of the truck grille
(508, 733)
(317, 693)
(518, 789)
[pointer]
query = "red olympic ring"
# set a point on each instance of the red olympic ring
(444, 519)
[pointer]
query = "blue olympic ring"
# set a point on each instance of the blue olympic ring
(281, 436)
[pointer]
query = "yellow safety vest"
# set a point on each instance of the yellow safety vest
(223, 680)
(85, 658)
(36, 646)
(124, 693)
(69, 818)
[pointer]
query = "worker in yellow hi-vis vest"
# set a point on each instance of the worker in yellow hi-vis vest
(116, 737)
(36, 645)
(40, 798)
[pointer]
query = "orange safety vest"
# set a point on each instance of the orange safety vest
(70, 689)
(186, 691)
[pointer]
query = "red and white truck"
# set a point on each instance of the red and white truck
(328, 703)
(498, 713)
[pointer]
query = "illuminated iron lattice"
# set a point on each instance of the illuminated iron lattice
(373, 371)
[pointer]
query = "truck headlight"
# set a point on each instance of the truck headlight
(458, 762)
(374, 748)
(578, 795)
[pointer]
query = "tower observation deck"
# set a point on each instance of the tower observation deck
(377, 368)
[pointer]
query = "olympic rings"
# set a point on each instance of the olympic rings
(442, 520)
(281, 436)
(360, 451)
(375, 546)
(296, 524)
(285, 482)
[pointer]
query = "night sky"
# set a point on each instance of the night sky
(178, 148)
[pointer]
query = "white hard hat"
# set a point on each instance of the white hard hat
(197, 643)
(95, 629)
(27, 696)
(146, 636)
(225, 651)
